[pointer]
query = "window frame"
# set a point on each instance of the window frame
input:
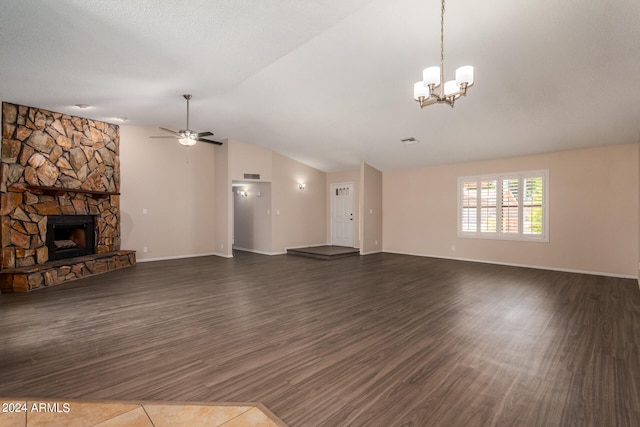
(498, 233)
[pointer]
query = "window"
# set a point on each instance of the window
(504, 206)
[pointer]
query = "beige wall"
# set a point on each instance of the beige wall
(593, 212)
(247, 158)
(371, 213)
(190, 188)
(352, 175)
(174, 184)
(244, 159)
(252, 217)
(298, 216)
(223, 202)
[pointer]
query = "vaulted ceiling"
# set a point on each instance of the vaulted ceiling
(330, 82)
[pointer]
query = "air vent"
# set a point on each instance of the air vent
(251, 176)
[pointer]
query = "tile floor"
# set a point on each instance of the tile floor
(85, 413)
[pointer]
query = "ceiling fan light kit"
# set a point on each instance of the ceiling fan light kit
(186, 136)
(189, 138)
(424, 91)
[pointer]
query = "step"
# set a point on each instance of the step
(24, 279)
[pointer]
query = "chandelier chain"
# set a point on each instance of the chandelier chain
(442, 35)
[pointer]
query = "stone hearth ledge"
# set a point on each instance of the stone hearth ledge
(52, 273)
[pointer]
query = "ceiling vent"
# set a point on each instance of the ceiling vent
(409, 141)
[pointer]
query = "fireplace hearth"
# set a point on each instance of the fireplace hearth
(70, 236)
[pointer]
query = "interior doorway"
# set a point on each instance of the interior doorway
(252, 216)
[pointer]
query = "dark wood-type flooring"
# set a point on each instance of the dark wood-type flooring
(377, 340)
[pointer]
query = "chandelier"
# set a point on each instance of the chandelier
(425, 93)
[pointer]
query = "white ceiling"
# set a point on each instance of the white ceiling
(330, 82)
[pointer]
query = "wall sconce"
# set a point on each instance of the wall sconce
(302, 186)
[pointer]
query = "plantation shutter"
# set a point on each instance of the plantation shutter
(532, 212)
(507, 206)
(469, 206)
(488, 203)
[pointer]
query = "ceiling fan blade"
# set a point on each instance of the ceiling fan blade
(186, 133)
(210, 141)
(169, 130)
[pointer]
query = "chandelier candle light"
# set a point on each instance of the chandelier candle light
(424, 92)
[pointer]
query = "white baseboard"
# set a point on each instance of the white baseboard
(566, 270)
(538, 267)
(220, 254)
(371, 252)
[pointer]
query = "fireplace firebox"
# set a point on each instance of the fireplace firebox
(70, 236)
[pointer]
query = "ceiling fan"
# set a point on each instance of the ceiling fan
(187, 136)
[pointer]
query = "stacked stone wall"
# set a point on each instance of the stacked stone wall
(42, 150)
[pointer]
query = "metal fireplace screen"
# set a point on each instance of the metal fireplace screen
(70, 236)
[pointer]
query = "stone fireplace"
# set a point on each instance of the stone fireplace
(59, 198)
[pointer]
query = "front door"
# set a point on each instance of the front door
(342, 214)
